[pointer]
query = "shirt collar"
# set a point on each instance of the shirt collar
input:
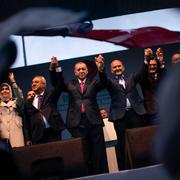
(119, 77)
(37, 95)
(81, 81)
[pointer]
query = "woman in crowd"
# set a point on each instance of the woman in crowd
(11, 128)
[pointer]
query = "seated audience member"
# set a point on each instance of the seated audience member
(109, 132)
(111, 141)
(11, 110)
(167, 138)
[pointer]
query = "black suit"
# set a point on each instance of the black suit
(48, 109)
(91, 88)
(149, 85)
(119, 114)
(119, 94)
(88, 124)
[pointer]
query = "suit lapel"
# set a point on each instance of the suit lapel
(77, 86)
(87, 82)
(44, 98)
(126, 82)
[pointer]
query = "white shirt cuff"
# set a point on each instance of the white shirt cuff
(59, 69)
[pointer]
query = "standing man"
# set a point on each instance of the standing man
(126, 108)
(45, 121)
(83, 116)
(151, 75)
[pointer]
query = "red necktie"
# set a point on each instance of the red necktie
(82, 90)
(82, 86)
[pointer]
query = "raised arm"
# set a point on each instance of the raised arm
(56, 76)
(17, 91)
(160, 57)
(141, 75)
(99, 60)
(52, 70)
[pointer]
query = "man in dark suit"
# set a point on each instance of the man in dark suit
(126, 108)
(150, 77)
(44, 119)
(83, 116)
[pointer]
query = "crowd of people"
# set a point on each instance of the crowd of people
(36, 119)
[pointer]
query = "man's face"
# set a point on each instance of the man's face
(30, 95)
(152, 67)
(175, 58)
(104, 113)
(5, 92)
(38, 85)
(117, 67)
(80, 70)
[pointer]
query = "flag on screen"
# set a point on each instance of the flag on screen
(135, 38)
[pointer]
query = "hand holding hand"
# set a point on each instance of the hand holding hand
(99, 60)
(160, 55)
(148, 52)
(54, 62)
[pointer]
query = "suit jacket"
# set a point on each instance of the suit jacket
(119, 94)
(49, 110)
(149, 86)
(76, 98)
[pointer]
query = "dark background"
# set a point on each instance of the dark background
(95, 8)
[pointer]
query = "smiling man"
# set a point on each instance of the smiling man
(46, 123)
(151, 75)
(126, 108)
(83, 116)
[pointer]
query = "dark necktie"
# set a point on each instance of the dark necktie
(40, 99)
(82, 90)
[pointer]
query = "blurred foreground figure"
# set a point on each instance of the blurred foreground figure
(8, 164)
(167, 140)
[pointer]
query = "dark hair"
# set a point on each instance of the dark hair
(103, 108)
